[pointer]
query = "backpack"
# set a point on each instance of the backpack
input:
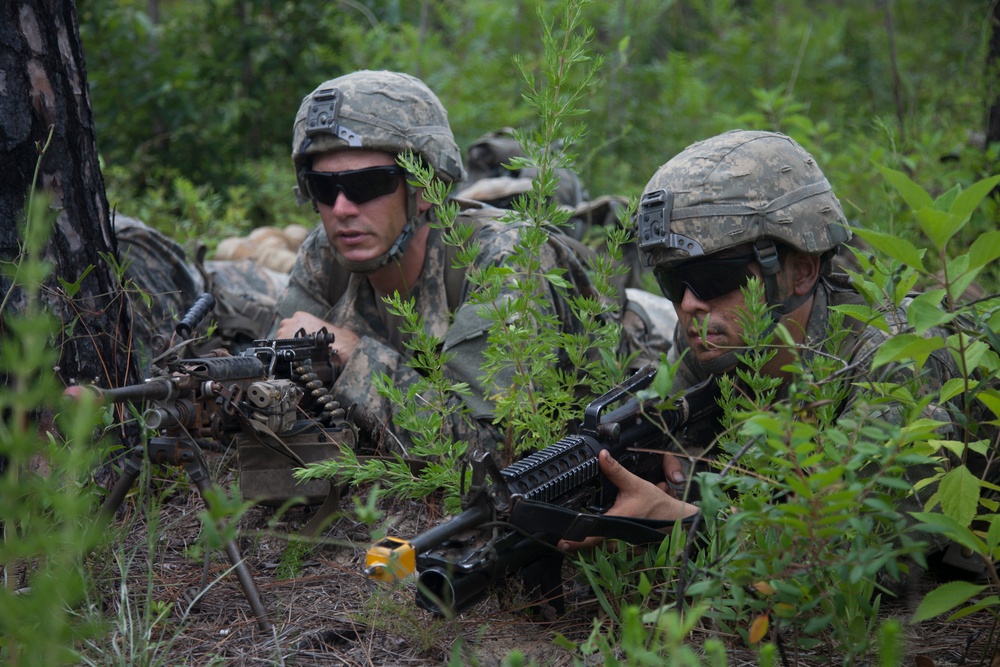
(160, 282)
(163, 281)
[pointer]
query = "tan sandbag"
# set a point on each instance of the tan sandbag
(295, 234)
(271, 241)
(273, 257)
(262, 234)
(233, 248)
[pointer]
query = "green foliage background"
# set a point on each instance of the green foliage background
(194, 100)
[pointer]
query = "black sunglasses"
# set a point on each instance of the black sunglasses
(359, 185)
(707, 279)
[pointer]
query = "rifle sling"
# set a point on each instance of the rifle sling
(534, 517)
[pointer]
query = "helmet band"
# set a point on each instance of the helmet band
(787, 199)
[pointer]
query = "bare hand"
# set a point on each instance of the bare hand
(344, 340)
(637, 499)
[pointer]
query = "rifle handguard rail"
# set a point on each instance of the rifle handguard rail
(551, 493)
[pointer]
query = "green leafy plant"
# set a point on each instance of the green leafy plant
(648, 639)
(526, 352)
(621, 576)
(966, 509)
(291, 563)
(44, 475)
(676, 72)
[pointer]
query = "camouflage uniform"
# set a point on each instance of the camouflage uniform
(756, 189)
(318, 285)
(396, 113)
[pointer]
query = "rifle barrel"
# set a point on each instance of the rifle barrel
(474, 517)
(394, 558)
(158, 389)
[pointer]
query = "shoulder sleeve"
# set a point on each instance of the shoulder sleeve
(315, 280)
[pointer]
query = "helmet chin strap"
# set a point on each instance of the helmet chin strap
(394, 253)
(766, 254)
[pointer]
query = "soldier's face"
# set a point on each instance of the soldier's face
(711, 326)
(361, 231)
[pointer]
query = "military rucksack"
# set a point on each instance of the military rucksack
(162, 281)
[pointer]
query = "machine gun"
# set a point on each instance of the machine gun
(513, 517)
(275, 388)
(270, 382)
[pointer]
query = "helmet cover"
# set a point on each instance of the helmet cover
(736, 188)
(379, 111)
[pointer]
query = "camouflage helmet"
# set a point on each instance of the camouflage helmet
(737, 188)
(379, 111)
(491, 175)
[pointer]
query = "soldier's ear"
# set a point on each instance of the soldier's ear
(804, 270)
(422, 204)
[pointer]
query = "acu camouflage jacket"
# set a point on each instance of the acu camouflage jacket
(320, 286)
(857, 353)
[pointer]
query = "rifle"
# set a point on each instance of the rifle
(513, 517)
(263, 391)
(210, 397)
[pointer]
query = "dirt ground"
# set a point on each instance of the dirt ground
(331, 614)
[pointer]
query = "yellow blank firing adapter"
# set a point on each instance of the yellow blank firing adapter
(390, 560)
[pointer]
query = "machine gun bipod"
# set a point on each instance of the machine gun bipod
(179, 413)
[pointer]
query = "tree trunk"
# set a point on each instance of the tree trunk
(993, 77)
(43, 90)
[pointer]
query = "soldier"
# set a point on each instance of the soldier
(375, 240)
(491, 180)
(648, 319)
(742, 205)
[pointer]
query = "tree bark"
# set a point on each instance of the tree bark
(993, 76)
(43, 90)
